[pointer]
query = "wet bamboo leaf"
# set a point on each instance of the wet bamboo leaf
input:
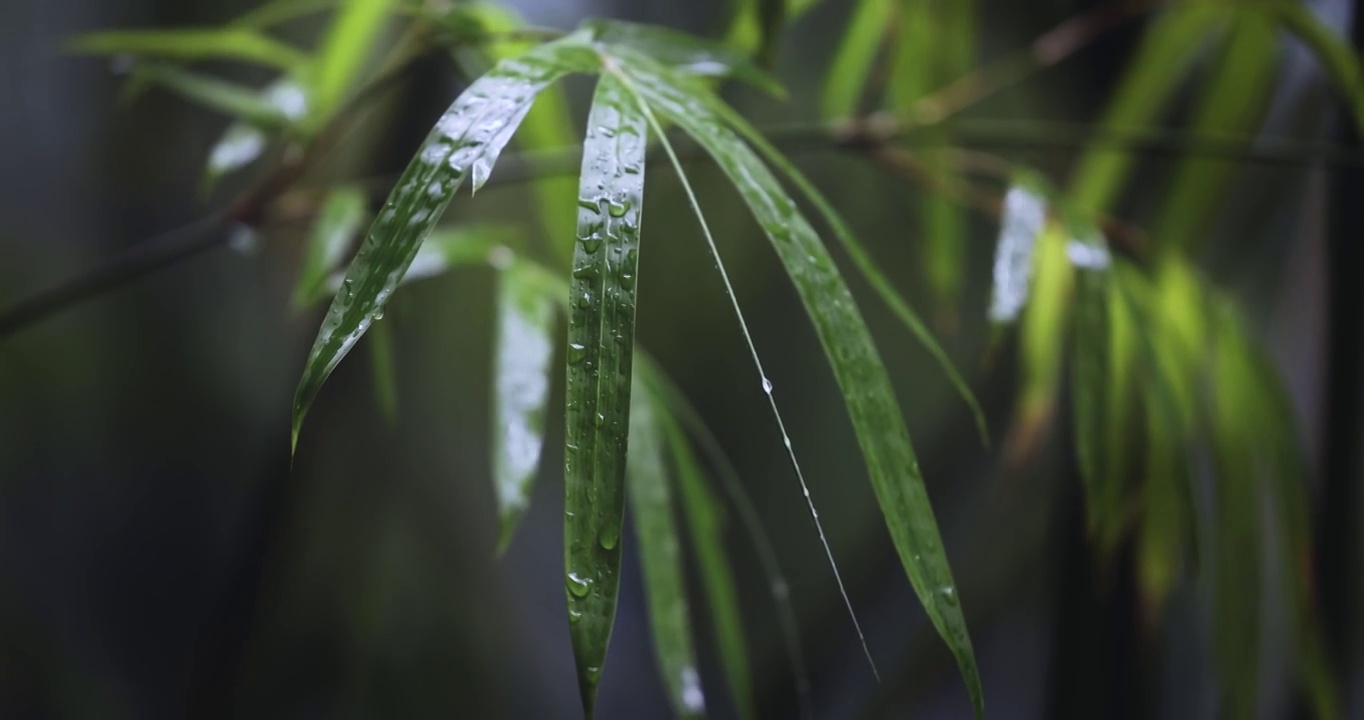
(1236, 98)
(855, 249)
(847, 80)
(464, 143)
(1167, 52)
(192, 44)
(867, 392)
(1025, 216)
(451, 247)
(651, 502)
(260, 110)
(344, 49)
(684, 53)
(601, 331)
(524, 348)
(339, 223)
(548, 126)
(1340, 61)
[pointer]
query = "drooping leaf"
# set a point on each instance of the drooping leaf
(866, 387)
(1334, 53)
(344, 49)
(848, 73)
(1025, 215)
(1238, 90)
(1042, 334)
(601, 331)
(660, 555)
(339, 222)
(523, 350)
(449, 247)
(1169, 47)
(464, 143)
(239, 102)
(191, 44)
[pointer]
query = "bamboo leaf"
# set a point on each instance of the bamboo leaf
(524, 348)
(847, 80)
(866, 387)
(225, 97)
(1025, 216)
(383, 372)
(192, 44)
(1340, 61)
(684, 53)
(1237, 95)
(660, 555)
(338, 224)
(601, 330)
(1167, 52)
(278, 12)
(464, 143)
(244, 141)
(344, 49)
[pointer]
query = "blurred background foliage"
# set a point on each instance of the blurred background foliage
(1165, 525)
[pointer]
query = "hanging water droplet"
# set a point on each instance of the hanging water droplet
(610, 535)
(379, 314)
(618, 209)
(576, 353)
(591, 243)
(627, 280)
(767, 385)
(578, 585)
(585, 300)
(574, 616)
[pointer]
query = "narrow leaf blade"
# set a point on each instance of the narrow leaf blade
(344, 49)
(847, 80)
(866, 387)
(465, 142)
(660, 553)
(192, 44)
(523, 350)
(601, 329)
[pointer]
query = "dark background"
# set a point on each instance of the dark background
(158, 558)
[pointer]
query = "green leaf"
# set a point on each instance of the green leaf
(1337, 57)
(278, 12)
(683, 53)
(660, 556)
(338, 225)
(866, 387)
(344, 49)
(240, 102)
(450, 247)
(244, 141)
(383, 371)
(547, 126)
(524, 348)
(601, 331)
(1042, 335)
(1025, 217)
(192, 44)
(1168, 50)
(1238, 90)
(465, 142)
(847, 80)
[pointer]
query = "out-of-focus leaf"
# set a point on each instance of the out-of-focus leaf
(547, 126)
(1241, 456)
(684, 53)
(523, 350)
(1340, 61)
(601, 333)
(1025, 215)
(1097, 389)
(192, 44)
(706, 525)
(450, 247)
(344, 50)
(384, 372)
(277, 12)
(847, 79)
(1168, 50)
(343, 214)
(225, 97)
(867, 392)
(661, 555)
(1042, 338)
(757, 25)
(244, 142)
(1235, 100)
(464, 143)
